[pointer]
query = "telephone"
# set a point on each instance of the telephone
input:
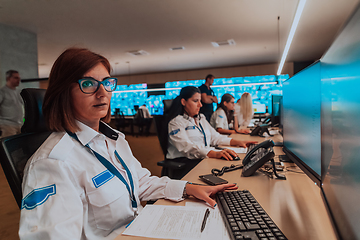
(257, 156)
(260, 130)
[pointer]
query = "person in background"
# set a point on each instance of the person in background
(84, 182)
(11, 105)
(191, 135)
(147, 118)
(223, 119)
(244, 110)
(207, 97)
(146, 112)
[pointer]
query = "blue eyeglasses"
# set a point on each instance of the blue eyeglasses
(90, 85)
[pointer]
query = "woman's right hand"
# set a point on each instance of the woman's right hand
(243, 131)
(225, 153)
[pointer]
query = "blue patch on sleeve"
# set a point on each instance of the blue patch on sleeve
(190, 127)
(221, 116)
(102, 178)
(173, 132)
(37, 197)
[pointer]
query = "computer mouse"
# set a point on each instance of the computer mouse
(234, 158)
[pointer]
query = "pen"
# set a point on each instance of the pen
(206, 215)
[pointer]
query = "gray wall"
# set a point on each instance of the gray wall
(18, 51)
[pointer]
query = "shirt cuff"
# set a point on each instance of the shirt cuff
(174, 190)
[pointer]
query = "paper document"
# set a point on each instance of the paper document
(237, 149)
(177, 222)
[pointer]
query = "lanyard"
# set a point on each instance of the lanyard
(203, 132)
(114, 171)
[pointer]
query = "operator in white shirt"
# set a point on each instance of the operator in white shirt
(84, 182)
(223, 119)
(244, 110)
(191, 135)
(146, 112)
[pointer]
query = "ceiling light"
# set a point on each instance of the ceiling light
(295, 23)
(138, 53)
(224, 43)
(177, 48)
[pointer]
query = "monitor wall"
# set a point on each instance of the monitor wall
(340, 114)
(302, 124)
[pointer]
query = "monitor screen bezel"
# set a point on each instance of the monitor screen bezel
(316, 178)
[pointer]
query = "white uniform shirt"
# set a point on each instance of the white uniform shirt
(11, 107)
(69, 194)
(145, 111)
(219, 120)
(241, 120)
(187, 140)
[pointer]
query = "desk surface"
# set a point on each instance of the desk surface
(295, 204)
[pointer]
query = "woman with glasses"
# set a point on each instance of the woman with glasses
(84, 182)
(223, 119)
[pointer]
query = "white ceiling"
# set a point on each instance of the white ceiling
(114, 27)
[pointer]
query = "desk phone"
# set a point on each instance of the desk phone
(257, 156)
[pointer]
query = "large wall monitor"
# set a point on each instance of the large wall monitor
(301, 126)
(340, 84)
(260, 87)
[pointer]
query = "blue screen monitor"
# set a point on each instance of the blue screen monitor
(302, 125)
(340, 84)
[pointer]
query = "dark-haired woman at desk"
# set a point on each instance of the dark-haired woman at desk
(84, 182)
(190, 134)
(223, 119)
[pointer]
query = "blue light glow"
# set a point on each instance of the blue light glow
(261, 94)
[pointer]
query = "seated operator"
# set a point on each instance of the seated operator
(84, 182)
(190, 134)
(223, 119)
(244, 110)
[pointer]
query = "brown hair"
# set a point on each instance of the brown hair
(227, 97)
(69, 67)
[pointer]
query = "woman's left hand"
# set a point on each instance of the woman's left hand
(205, 192)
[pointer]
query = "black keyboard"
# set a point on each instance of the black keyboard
(245, 218)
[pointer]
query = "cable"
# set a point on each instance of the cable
(217, 172)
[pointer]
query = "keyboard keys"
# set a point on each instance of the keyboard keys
(241, 226)
(245, 218)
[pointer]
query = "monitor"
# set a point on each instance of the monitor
(281, 117)
(275, 108)
(302, 125)
(340, 114)
(259, 108)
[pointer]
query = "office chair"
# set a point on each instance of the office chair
(120, 121)
(167, 104)
(173, 168)
(170, 168)
(139, 121)
(16, 150)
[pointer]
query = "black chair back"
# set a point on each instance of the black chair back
(34, 119)
(162, 132)
(16, 150)
(167, 104)
(120, 121)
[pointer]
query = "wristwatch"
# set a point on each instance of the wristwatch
(185, 195)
